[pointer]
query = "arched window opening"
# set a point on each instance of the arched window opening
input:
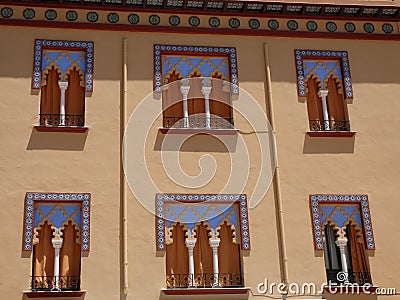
(177, 258)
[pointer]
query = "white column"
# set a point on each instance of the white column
(190, 243)
(214, 243)
(341, 242)
(323, 94)
(57, 244)
(63, 87)
(185, 87)
(206, 90)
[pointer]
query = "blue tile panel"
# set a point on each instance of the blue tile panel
(57, 209)
(187, 65)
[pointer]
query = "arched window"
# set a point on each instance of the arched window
(177, 259)
(50, 250)
(344, 256)
(324, 82)
(196, 86)
(63, 73)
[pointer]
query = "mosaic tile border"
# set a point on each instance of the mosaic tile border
(187, 50)
(31, 197)
(67, 45)
(316, 54)
(362, 200)
(160, 200)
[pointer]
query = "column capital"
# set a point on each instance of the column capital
(214, 243)
(190, 243)
(341, 242)
(63, 85)
(185, 89)
(206, 91)
(57, 243)
(323, 93)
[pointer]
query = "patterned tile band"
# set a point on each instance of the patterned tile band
(206, 53)
(306, 60)
(57, 208)
(216, 207)
(354, 207)
(72, 50)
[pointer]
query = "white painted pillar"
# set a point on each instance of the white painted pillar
(185, 87)
(206, 91)
(341, 242)
(323, 94)
(214, 243)
(57, 244)
(190, 243)
(63, 87)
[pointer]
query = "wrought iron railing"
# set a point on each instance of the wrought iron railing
(339, 277)
(48, 283)
(198, 122)
(205, 280)
(58, 120)
(329, 125)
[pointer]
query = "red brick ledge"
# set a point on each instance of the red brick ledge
(331, 133)
(206, 291)
(198, 131)
(61, 129)
(55, 294)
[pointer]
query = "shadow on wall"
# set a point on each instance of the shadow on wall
(195, 143)
(198, 294)
(67, 141)
(314, 145)
(48, 296)
(349, 296)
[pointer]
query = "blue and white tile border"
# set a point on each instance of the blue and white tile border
(195, 198)
(187, 50)
(323, 54)
(62, 45)
(32, 197)
(361, 200)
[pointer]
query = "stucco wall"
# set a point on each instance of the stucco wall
(68, 162)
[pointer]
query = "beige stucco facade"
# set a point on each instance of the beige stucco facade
(89, 162)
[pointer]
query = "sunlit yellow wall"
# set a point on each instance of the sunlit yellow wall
(71, 162)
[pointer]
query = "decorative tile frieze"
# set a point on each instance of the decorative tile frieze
(56, 209)
(185, 59)
(285, 17)
(63, 55)
(339, 210)
(192, 209)
(323, 63)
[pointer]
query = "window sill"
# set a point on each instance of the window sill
(55, 294)
(206, 291)
(331, 133)
(42, 128)
(350, 289)
(209, 131)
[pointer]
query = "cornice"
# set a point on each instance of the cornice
(379, 10)
(195, 21)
